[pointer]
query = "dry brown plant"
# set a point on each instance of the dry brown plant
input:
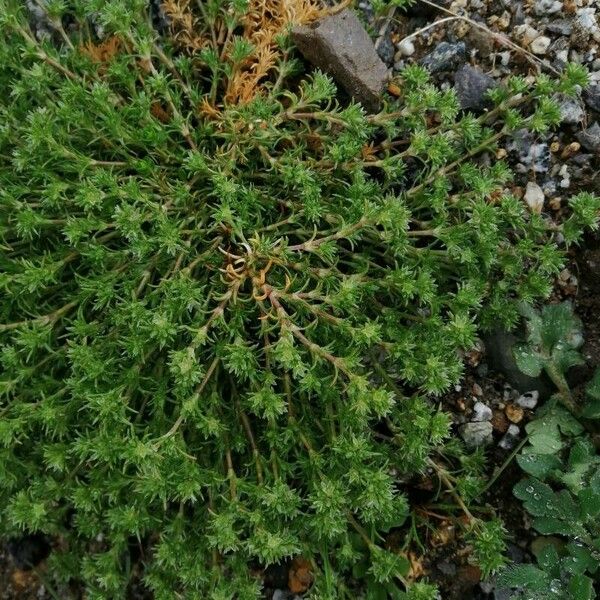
(103, 52)
(184, 25)
(264, 21)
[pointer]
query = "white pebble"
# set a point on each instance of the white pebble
(529, 400)
(565, 182)
(510, 438)
(481, 412)
(540, 45)
(534, 196)
(406, 47)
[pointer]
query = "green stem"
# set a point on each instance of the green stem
(502, 468)
(564, 392)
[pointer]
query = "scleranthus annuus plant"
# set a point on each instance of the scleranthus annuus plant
(222, 315)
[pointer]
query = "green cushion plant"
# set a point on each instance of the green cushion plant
(224, 308)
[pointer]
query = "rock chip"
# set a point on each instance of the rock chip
(571, 109)
(514, 413)
(339, 45)
(477, 434)
(445, 57)
(481, 412)
(526, 33)
(500, 421)
(510, 439)
(528, 400)
(533, 154)
(406, 47)
(534, 197)
(385, 50)
(560, 26)
(547, 7)
(587, 23)
(591, 96)
(540, 45)
(590, 138)
(471, 86)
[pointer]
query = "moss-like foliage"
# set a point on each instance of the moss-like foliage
(221, 315)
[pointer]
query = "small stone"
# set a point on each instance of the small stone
(385, 49)
(447, 567)
(477, 434)
(483, 369)
(555, 203)
(501, 22)
(487, 587)
(562, 57)
(499, 421)
(587, 22)
(510, 439)
(547, 7)
(406, 47)
(528, 400)
(526, 33)
(571, 109)
(471, 87)
(570, 150)
(534, 155)
(560, 26)
(445, 57)
(564, 275)
(590, 138)
(540, 45)
(591, 96)
(504, 57)
(534, 197)
(481, 412)
(477, 390)
(565, 181)
(514, 413)
(340, 46)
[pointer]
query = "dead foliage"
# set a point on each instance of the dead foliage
(159, 112)
(103, 52)
(184, 25)
(300, 576)
(263, 22)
